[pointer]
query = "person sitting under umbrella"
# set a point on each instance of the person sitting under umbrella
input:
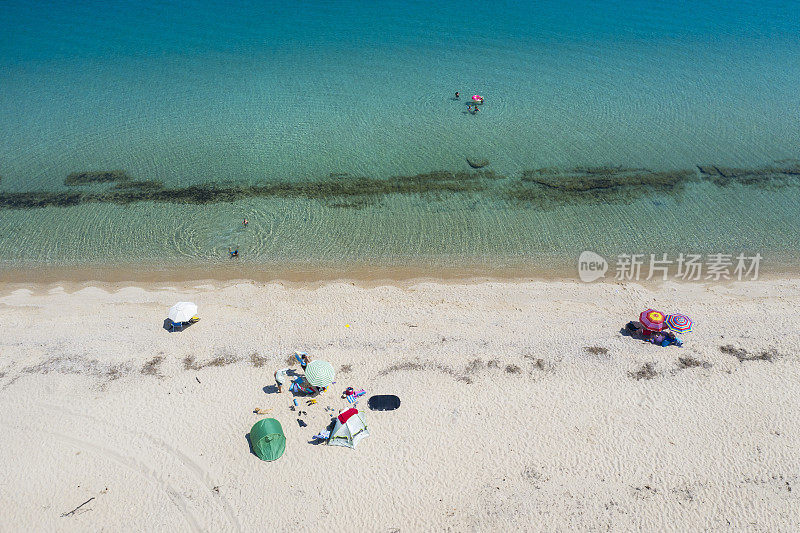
(653, 322)
(302, 386)
(656, 328)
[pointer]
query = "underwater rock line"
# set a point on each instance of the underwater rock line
(541, 187)
(593, 185)
(338, 190)
(724, 176)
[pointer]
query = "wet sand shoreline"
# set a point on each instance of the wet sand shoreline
(362, 273)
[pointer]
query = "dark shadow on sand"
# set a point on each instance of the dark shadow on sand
(250, 445)
(168, 326)
(317, 442)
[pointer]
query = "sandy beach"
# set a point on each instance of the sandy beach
(523, 407)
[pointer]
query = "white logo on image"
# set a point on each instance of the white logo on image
(591, 266)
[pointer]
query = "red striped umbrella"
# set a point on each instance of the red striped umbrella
(679, 323)
(652, 319)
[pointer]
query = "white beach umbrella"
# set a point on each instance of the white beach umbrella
(182, 311)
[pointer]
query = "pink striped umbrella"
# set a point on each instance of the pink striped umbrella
(652, 319)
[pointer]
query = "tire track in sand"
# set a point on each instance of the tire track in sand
(198, 471)
(127, 462)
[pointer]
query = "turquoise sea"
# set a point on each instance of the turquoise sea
(332, 127)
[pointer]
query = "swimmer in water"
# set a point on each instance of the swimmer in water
(245, 222)
(458, 95)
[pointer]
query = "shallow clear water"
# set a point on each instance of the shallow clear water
(202, 92)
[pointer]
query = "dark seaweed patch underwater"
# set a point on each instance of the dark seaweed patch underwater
(537, 188)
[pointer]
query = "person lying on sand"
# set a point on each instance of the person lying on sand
(322, 435)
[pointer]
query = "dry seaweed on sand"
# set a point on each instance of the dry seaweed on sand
(80, 366)
(537, 362)
(258, 360)
(189, 362)
(474, 366)
(692, 362)
(151, 367)
(647, 371)
(405, 366)
(402, 366)
(743, 355)
(595, 350)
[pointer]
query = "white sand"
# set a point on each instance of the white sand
(507, 423)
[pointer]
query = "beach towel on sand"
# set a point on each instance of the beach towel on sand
(353, 398)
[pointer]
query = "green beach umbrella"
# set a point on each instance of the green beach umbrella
(267, 439)
(319, 373)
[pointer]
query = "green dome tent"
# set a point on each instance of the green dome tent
(267, 439)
